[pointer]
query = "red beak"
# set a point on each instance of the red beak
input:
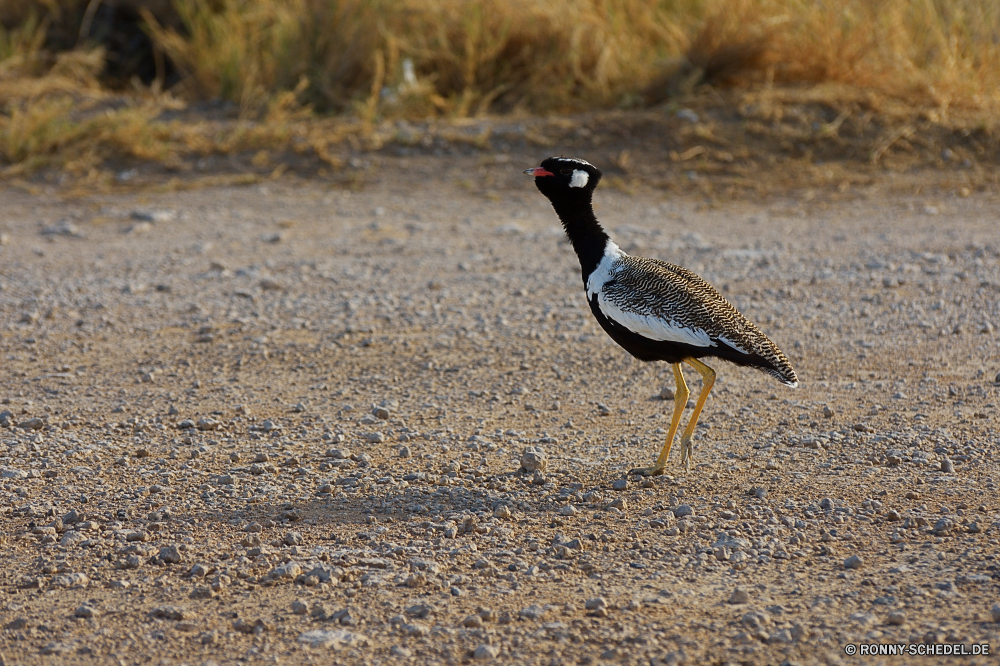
(538, 172)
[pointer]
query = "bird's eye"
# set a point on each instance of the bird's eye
(565, 172)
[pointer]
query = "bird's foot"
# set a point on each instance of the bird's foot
(647, 471)
(687, 453)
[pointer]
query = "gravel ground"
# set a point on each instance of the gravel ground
(287, 424)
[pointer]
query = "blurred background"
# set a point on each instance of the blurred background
(86, 82)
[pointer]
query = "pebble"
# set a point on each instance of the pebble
(533, 459)
(85, 611)
(947, 466)
(71, 580)
(568, 510)
(620, 484)
(740, 596)
(854, 562)
(896, 618)
(330, 638)
(32, 424)
(175, 613)
(683, 510)
(485, 652)
(170, 554)
(995, 612)
(619, 503)
(533, 612)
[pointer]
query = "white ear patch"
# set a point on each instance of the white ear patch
(580, 178)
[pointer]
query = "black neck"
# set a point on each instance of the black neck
(585, 233)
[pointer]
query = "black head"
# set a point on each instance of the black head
(562, 177)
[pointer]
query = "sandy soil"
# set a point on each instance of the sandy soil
(285, 424)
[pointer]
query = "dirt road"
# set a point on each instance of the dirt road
(285, 423)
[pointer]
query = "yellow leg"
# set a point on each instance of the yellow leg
(680, 401)
(708, 380)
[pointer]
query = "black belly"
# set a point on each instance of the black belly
(645, 349)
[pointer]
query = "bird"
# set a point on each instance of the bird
(654, 310)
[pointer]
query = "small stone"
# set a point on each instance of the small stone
(71, 580)
(502, 512)
(683, 510)
(85, 611)
(175, 613)
(943, 526)
(533, 612)
(854, 562)
(32, 424)
(568, 510)
(595, 603)
(404, 452)
(740, 596)
(208, 424)
(338, 454)
(170, 554)
(533, 459)
(288, 571)
(619, 503)
(620, 484)
(419, 611)
(947, 466)
(293, 539)
(485, 652)
(896, 618)
(995, 612)
(473, 622)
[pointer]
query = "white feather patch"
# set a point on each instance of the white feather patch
(601, 274)
(580, 178)
(653, 327)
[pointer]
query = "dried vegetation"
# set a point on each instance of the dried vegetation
(89, 88)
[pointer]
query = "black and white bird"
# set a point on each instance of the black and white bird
(654, 310)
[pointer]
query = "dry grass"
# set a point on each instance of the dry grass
(283, 61)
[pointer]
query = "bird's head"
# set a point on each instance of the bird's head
(561, 177)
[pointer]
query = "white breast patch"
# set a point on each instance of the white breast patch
(580, 178)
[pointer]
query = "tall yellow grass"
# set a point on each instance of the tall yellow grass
(501, 55)
(372, 59)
